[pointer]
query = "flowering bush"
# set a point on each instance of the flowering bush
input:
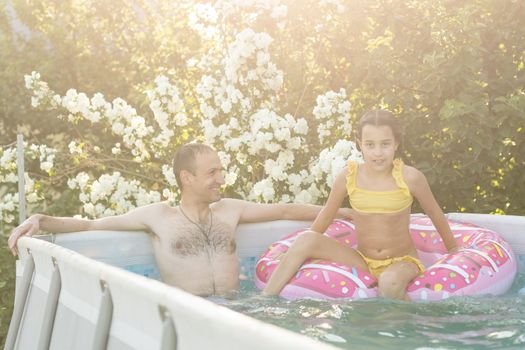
(44, 157)
(110, 194)
(273, 86)
(235, 104)
(331, 111)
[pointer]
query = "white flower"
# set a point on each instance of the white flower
(116, 150)
(264, 189)
(273, 147)
(89, 209)
(332, 112)
(74, 148)
(230, 179)
(263, 40)
(32, 197)
(301, 127)
(226, 106)
(117, 128)
(84, 198)
(28, 79)
(46, 166)
(170, 196)
(202, 19)
(295, 180)
(82, 180)
(293, 143)
(167, 171)
(9, 205)
(57, 100)
(303, 197)
(98, 101)
(11, 177)
(279, 11)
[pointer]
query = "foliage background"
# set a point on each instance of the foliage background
(453, 71)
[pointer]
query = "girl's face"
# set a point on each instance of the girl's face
(378, 146)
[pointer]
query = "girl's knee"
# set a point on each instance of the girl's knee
(390, 285)
(388, 280)
(306, 242)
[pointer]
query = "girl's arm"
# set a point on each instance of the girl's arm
(335, 199)
(421, 190)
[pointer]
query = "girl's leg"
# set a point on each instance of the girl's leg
(392, 282)
(310, 245)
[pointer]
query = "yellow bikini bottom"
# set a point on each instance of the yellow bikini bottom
(376, 267)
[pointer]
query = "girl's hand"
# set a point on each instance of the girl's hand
(454, 249)
(346, 213)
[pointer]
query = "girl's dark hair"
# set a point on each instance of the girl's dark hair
(185, 156)
(379, 117)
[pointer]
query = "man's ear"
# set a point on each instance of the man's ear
(185, 177)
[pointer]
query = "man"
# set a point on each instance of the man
(194, 243)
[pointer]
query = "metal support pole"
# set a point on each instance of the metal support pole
(169, 334)
(105, 315)
(21, 300)
(50, 310)
(21, 178)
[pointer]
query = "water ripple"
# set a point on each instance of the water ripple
(455, 323)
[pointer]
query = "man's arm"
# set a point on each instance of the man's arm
(257, 212)
(136, 219)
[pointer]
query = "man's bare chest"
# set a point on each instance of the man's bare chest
(192, 241)
(183, 238)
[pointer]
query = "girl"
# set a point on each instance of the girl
(381, 193)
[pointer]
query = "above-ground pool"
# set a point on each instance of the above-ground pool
(152, 315)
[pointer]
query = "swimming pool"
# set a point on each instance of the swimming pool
(482, 322)
(455, 323)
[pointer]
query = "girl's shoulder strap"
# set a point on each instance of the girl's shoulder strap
(351, 175)
(397, 173)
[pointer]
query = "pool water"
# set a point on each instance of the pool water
(455, 323)
(482, 322)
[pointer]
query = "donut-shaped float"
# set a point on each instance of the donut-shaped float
(484, 264)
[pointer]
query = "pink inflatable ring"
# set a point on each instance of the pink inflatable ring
(484, 264)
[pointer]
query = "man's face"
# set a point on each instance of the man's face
(207, 178)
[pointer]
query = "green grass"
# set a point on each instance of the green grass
(7, 289)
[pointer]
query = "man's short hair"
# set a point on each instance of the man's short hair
(185, 156)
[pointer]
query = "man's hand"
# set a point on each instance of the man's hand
(29, 227)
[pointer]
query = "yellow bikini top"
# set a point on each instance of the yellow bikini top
(379, 201)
